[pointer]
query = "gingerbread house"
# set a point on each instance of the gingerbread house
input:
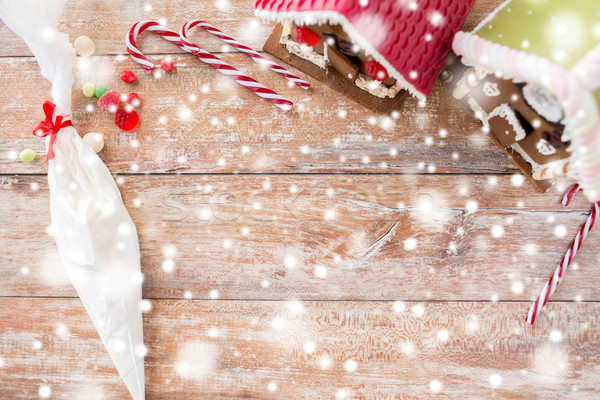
(531, 73)
(373, 51)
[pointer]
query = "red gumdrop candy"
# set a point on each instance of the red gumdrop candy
(110, 101)
(376, 71)
(126, 120)
(305, 36)
(167, 64)
(133, 99)
(127, 76)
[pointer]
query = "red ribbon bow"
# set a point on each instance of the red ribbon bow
(47, 127)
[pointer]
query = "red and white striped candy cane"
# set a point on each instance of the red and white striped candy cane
(551, 285)
(155, 27)
(205, 56)
(257, 57)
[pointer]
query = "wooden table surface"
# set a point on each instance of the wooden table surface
(326, 253)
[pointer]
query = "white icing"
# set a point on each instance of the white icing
(504, 111)
(490, 89)
(334, 18)
(545, 148)
(304, 52)
(377, 88)
(543, 102)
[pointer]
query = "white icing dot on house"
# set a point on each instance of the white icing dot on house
(147, 7)
(320, 271)
(428, 37)
(393, 152)
(272, 386)
(443, 133)
(214, 294)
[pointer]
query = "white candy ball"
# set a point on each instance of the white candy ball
(84, 46)
(94, 140)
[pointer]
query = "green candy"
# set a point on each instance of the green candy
(27, 155)
(89, 89)
(100, 90)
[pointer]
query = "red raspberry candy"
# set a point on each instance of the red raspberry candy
(305, 36)
(167, 64)
(133, 99)
(110, 101)
(127, 76)
(376, 71)
(126, 120)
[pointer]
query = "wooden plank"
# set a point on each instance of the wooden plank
(107, 22)
(230, 129)
(291, 350)
(263, 237)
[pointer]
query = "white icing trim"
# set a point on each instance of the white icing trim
(334, 18)
(504, 111)
(582, 117)
(552, 112)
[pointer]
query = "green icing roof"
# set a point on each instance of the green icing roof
(561, 30)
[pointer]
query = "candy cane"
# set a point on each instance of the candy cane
(551, 285)
(205, 56)
(258, 58)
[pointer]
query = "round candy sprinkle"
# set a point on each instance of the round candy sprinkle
(127, 76)
(84, 46)
(167, 64)
(94, 140)
(100, 90)
(126, 120)
(27, 155)
(133, 99)
(110, 101)
(89, 89)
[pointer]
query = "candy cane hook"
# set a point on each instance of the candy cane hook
(256, 57)
(550, 286)
(203, 55)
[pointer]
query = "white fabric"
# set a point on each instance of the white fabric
(95, 236)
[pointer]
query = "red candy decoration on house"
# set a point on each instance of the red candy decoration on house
(380, 47)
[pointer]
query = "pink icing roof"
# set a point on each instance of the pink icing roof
(410, 38)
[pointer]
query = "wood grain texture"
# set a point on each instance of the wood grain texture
(233, 349)
(230, 129)
(107, 22)
(233, 235)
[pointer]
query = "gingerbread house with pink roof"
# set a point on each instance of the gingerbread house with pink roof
(373, 51)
